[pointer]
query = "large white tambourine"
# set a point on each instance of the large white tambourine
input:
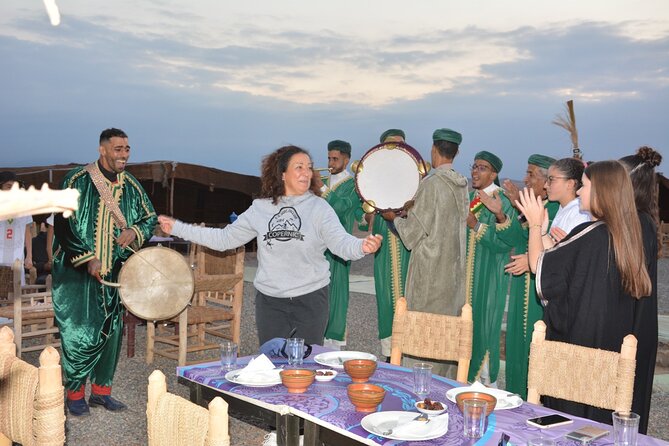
(18, 202)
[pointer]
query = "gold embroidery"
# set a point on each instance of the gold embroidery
(395, 268)
(469, 274)
(329, 191)
(504, 225)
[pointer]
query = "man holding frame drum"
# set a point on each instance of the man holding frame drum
(434, 231)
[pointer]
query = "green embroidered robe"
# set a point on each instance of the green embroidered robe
(88, 314)
(523, 311)
(346, 203)
(391, 263)
(487, 285)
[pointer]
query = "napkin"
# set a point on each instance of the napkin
(416, 429)
(259, 370)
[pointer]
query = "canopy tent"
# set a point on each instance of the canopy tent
(190, 192)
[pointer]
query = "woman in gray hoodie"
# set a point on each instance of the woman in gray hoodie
(293, 227)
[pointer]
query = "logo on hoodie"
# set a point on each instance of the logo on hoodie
(284, 226)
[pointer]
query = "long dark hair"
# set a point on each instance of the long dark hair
(273, 167)
(612, 201)
(641, 168)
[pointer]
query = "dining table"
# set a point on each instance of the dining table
(325, 415)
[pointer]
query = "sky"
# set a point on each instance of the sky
(223, 83)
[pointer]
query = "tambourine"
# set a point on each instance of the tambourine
(155, 283)
(388, 175)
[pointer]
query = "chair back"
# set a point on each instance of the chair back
(174, 421)
(599, 378)
(433, 336)
(32, 399)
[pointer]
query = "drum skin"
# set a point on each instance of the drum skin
(156, 283)
(388, 175)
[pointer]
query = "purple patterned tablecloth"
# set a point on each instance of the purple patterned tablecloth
(327, 404)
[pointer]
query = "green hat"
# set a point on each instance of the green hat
(340, 145)
(542, 161)
(391, 132)
(447, 135)
(494, 161)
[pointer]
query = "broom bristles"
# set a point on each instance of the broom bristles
(569, 123)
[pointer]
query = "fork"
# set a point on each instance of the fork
(420, 417)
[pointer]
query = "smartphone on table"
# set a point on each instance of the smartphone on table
(586, 434)
(548, 421)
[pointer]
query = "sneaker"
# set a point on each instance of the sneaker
(107, 402)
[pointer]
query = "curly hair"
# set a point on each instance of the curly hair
(272, 169)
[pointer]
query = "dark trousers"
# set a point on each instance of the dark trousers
(276, 317)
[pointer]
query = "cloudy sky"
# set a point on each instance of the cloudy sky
(222, 83)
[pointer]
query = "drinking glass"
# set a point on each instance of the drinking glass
(474, 414)
(422, 377)
(540, 441)
(625, 428)
(295, 350)
(228, 355)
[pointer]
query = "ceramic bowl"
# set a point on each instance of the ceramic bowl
(325, 377)
(420, 406)
(297, 380)
(365, 397)
(360, 369)
(488, 398)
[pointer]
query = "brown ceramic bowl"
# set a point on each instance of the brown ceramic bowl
(360, 369)
(365, 397)
(297, 380)
(488, 398)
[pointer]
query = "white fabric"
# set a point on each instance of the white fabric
(13, 241)
(260, 369)
(570, 216)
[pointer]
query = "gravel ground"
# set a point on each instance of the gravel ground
(129, 427)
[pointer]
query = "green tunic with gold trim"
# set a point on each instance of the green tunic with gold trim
(524, 308)
(89, 314)
(346, 203)
(391, 263)
(487, 284)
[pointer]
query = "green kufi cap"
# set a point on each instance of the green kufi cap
(542, 161)
(447, 135)
(494, 161)
(340, 145)
(391, 132)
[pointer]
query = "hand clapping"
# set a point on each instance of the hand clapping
(532, 207)
(371, 243)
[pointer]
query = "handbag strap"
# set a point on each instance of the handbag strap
(106, 195)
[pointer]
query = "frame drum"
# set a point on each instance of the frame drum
(387, 176)
(156, 283)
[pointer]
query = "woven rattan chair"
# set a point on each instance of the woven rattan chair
(32, 401)
(31, 312)
(174, 421)
(215, 310)
(433, 336)
(599, 378)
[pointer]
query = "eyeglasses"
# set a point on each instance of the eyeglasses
(550, 179)
(479, 168)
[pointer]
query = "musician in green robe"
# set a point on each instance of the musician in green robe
(391, 263)
(114, 218)
(524, 308)
(490, 214)
(339, 191)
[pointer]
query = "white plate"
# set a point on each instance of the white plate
(269, 381)
(336, 359)
(379, 422)
(504, 401)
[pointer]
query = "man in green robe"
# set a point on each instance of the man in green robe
(490, 214)
(435, 231)
(391, 263)
(114, 216)
(339, 191)
(524, 308)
